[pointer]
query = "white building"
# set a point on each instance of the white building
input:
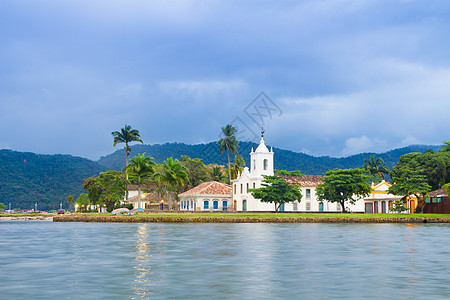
(208, 196)
(262, 163)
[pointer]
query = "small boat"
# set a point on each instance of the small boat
(121, 211)
(136, 210)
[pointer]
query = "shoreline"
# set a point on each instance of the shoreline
(26, 218)
(242, 219)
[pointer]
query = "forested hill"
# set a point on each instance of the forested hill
(284, 159)
(27, 178)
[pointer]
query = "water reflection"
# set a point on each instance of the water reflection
(227, 261)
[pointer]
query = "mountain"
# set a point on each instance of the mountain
(27, 178)
(284, 159)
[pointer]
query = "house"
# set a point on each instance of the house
(208, 196)
(380, 201)
(149, 201)
(262, 163)
(437, 202)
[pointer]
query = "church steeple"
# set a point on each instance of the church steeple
(261, 160)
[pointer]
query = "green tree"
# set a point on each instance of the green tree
(341, 186)
(399, 206)
(126, 135)
(288, 173)
(107, 189)
(276, 190)
(411, 183)
(83, 201)
(196, 171)
(237, 166)
(434, 165)
(140, 168)
(215, 173)
(228, 144)
(374, 167)
(446, 188)
(70, 200)
(445, 147)
(172, 176)
(2, 207)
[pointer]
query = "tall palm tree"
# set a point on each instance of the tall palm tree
(172, 176)
(126, 135)
(216, 174)
(140, 168)
(228, 144)
(375, 167)
(237, 166)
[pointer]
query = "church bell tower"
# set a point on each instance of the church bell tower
(261, 160)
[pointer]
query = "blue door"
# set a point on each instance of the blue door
(281, 207)
(244, 205)
(224, 205)
(320, 206)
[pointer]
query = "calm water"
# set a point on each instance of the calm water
(45, 260)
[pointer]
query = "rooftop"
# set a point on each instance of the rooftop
(305, 180)
(209, 188)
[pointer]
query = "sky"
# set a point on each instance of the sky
(323, 77)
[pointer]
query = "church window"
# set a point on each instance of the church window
(235, 188)
(308, 194)
(206, 204)
(241, 187)
(216, 204)
(265, 163)
(253, 185)
(295, 205)
(247, 188)
(308, 206)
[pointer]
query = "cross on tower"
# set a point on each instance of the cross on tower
(262, 131)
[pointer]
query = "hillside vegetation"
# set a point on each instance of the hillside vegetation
(27, 178)
(284, 159)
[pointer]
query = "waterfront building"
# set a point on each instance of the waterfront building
(208, 196)
(380, 201)
(262, 163)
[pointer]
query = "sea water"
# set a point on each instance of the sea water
(46, 260)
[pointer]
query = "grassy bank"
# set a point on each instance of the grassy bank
(257, 218)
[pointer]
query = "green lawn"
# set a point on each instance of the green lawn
(320, 215)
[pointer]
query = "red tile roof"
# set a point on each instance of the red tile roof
(305, 180)
(210, 188)
(437, 193)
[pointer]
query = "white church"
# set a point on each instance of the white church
(262, 163)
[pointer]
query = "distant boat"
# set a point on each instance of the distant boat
(136, 210)
(121, 211)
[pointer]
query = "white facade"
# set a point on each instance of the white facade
(262, 163)
(208, 196)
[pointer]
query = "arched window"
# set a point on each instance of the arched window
(206, 204)
(265, 164)
(254, 164)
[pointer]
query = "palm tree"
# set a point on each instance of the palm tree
(216, 174)
(237, 166)
(173, 175)
(126, 135)
(228, 144)
(140, 168)
(375, 167)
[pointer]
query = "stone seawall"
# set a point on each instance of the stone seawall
(232, 219)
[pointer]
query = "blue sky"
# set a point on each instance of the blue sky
(345, 76)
